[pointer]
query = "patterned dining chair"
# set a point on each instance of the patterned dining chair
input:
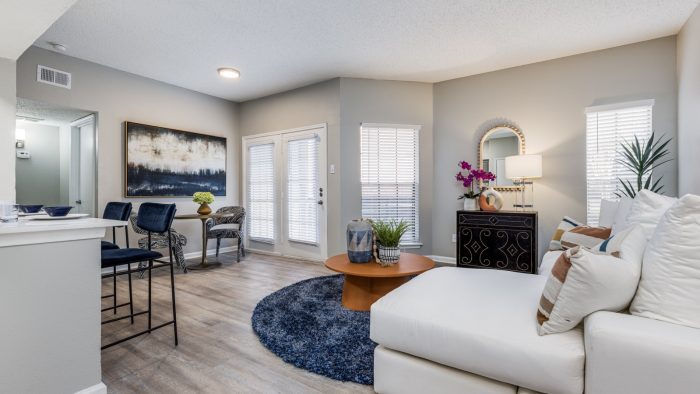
(160, 241)
(229, 226)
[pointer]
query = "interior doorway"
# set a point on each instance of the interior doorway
(56, 156)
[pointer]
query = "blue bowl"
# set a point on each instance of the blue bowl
(57, 211)
(30, 208)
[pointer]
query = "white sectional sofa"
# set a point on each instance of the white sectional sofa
(460, 330)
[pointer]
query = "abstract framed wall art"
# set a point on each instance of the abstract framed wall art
(163, 162)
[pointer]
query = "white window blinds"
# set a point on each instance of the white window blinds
(302, 190)
(261, 192)
(389, 175)
(607, 127)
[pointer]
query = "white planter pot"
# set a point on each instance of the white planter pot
(388, 256)
(471, 204)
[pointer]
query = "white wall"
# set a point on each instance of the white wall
(38, 179)
(117, 97)
(688, 64)
(394, 102)
(8, 100)
(547, 100)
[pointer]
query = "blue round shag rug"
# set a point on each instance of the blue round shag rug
(306, 325)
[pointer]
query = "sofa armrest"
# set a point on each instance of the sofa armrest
(632, 354)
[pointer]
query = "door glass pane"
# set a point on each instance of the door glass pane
(261, 192)
(302, 190)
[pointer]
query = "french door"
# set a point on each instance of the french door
(285, 192)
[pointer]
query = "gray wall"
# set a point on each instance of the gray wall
(309, 105)
(689, 105)
(38, 179)
(344, 103)
(395, 102)
(117, 97)
(7, 129)
(547, 100)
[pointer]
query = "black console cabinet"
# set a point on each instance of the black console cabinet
(499, 240)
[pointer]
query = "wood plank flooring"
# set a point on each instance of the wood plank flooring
(218, 350)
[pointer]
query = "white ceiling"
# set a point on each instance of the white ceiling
(279, 45)
(48, 113)
(23, 21)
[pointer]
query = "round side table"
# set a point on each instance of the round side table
(367, 282)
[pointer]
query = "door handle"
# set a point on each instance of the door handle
(78, 202)
(319, 202)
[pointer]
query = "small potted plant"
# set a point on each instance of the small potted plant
(203, 199)
(469, 178)
(389, 235)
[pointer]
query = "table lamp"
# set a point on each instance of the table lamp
(522, 169)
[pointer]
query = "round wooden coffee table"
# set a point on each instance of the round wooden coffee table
(366, 283)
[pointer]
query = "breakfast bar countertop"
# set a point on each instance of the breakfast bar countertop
(51, 277)
(28, 232)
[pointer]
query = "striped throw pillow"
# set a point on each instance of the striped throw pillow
(627, 244)
(566, 224)
(554, 284)
(585, 236)
(581, 283)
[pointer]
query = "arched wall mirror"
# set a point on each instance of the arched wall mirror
(496, 144)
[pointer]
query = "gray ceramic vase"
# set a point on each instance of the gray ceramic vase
(360, 241)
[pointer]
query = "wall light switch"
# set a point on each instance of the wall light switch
(23, 154)
(454, 238)
(331, 169)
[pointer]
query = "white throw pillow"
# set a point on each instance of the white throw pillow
(669, 289)
(647, 210)
(581, 283)
(608, 209)
(623, 210)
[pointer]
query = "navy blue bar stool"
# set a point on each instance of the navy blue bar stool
(116, 211)
(154, 218)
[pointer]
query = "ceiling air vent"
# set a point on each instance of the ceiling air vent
(53, 77)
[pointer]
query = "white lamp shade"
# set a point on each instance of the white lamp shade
(524, 166)
(20, 135)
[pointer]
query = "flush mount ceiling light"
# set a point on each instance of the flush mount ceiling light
(58, 47)
(229, 73)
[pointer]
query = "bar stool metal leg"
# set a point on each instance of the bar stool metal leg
(150, 266)
(131, 294)
(172, 285)
(114, 287)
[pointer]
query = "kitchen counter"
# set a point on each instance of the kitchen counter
(50, 288)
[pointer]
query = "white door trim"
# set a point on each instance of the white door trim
(277, 137)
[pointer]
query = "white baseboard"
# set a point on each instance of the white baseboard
(191, 255)
(278, 254)
(99, 388)
(266, 252)
(210, 252)
(443, 259)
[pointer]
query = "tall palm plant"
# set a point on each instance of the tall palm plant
(641, 158)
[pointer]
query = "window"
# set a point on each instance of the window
(607, 127)
(302, 190)
(389, 175)
(261, 192)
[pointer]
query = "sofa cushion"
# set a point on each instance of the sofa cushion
(480, 321)
(670, 286)
(647, 210)
(623, 210)
(608, 210)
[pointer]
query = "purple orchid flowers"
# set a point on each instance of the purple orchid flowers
(469, 177)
